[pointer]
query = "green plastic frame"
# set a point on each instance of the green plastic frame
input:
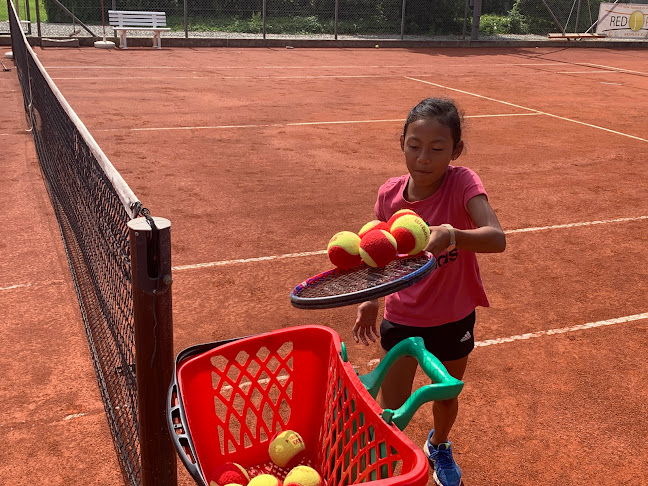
(443, 385)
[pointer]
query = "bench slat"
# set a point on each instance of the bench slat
(126, 12)
(140, 24)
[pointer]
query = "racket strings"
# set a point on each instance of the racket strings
(360, 279)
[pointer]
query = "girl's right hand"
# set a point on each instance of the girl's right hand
(365, 324)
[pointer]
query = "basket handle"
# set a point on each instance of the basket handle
(443, 385)
(180, 435)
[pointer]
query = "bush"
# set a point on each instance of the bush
(89, 11)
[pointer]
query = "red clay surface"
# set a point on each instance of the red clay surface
(266, 152)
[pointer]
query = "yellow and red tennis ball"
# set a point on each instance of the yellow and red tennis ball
(411, 233)
(373, 225)
(265, 480)
(343, 249)
(229, 473)
(378, 248)
(398, 214)
(303, 476)
(287, 448)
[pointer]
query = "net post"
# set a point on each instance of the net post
(150, 246)
(477, 10)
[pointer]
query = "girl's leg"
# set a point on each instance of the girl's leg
(397, 385)
(445, 411)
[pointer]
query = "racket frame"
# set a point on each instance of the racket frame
(357, 297)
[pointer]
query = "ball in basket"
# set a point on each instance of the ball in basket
(265, 480)
(303, 476)
(286, 448)
(228, 473)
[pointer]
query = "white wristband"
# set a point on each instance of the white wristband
(453, 242)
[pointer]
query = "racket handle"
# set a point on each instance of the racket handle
(443, 386)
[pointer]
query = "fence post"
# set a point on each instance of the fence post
(403, 20)
(476, 18)
(38, 22)
(264, 19)
(186, 19)
(150, 245)
(337, 6)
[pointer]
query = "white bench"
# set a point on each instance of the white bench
(124, 20)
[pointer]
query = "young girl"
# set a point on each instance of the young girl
(441, 308)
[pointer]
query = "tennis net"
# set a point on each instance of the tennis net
(93, 205)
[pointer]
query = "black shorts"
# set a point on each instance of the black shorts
(447, 342)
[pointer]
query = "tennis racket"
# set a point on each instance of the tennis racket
(337, 287)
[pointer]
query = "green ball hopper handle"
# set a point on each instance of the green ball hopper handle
(443, 385)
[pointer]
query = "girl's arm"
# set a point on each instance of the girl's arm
(488, 237)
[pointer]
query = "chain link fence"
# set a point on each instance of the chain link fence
(325, 19)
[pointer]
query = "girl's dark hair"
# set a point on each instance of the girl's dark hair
(441, 109)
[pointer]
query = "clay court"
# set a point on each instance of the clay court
(258, 156)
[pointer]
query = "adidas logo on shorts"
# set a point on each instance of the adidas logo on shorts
(466, 337)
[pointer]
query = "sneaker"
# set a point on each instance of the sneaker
(446, 471)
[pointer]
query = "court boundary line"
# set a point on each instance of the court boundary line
(372, 66)
(294, 124)
(322, 76)
(221, 263)
(526, 108)
(562, 330)
(478, 344)
(322, 252)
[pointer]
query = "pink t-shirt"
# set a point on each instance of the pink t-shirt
(454, 289)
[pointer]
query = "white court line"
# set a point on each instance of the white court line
(296, 124)
(551, 332)
(573, 225)
(27, 285)
(502, 340)
(620, 70)
(219, 68)
(322, 252)
(597, 71)
(562, 330)
(529, 109)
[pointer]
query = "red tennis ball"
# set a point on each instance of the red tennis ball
(398, 214)
(411, 233)
(265, 480)
(373, 225)
(343, 249)
(378, 248)
(286, 449)
(303, 476)
(228, 473)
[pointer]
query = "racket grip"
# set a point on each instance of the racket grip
(443, 386)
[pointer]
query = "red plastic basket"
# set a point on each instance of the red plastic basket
(229, 399)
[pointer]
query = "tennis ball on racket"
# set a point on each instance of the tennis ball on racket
(229, 473)
(411, 233)
(378, 248)
(398, 214)
(343, 249)
(303, 476)
(265, 480)
(373, 225)
(286, 448)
